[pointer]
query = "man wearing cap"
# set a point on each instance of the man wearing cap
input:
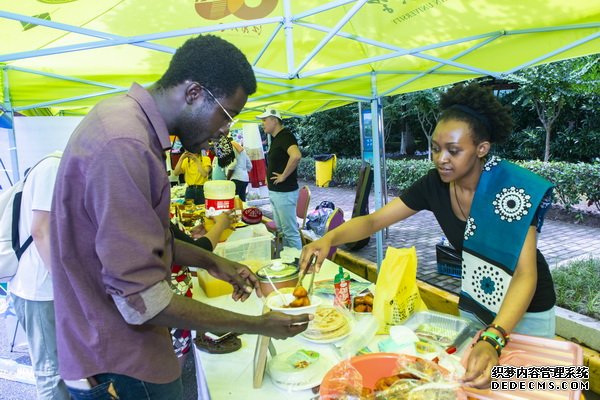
(282, 161)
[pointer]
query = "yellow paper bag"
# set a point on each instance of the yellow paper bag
(396, 292)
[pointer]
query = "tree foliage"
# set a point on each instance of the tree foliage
(546, 89)
(334, 131)
(554, 106)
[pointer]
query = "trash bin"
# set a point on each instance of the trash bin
(324, 166)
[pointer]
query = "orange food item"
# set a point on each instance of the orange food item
(300, 292)
(301, 298)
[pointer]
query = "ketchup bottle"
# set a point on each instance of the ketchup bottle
(342, 289)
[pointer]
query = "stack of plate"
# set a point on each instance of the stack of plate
(290, 376)
(328, 325)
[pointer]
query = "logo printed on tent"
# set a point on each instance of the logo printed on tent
(218, 9)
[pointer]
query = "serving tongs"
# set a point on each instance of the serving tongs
(311, 264)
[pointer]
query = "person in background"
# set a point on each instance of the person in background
(172, 177)
(491, 211)
(31, 287)
(112, 246)
(282, 177)
(196, 169)
(237, 171)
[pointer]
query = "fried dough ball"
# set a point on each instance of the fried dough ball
(300, 292)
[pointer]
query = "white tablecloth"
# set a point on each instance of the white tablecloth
(230, 376)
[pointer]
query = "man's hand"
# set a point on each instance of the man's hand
(282, 326)
(479, 365)
(239, 276)
(277, 178)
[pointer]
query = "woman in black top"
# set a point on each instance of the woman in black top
(506, 282)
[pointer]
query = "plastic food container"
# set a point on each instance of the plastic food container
(523, 351)
(281, 274)
(438, 328)
(219, 196)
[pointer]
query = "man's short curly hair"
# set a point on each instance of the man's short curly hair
(214, 63)
(476, 105)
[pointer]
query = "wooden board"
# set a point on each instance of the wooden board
(260, 360)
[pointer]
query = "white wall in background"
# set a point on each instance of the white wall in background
(37, 137)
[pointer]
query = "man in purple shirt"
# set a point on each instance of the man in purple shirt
(112, 249)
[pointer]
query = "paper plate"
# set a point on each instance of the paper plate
(287, 377)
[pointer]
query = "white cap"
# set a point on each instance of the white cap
(269, 112)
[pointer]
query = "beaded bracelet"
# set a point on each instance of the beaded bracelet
(492, 342)
(495, 338)
(499, 329)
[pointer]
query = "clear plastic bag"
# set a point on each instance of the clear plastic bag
(389, 376)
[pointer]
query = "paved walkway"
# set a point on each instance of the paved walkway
(559, 241)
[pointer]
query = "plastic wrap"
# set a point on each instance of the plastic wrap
(389, 376)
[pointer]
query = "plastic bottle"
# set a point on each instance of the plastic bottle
(219, 196)
(342, 288)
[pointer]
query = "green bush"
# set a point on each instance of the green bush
(577, 286)
(574, 182)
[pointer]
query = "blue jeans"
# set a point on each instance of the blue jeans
(283, 205)
(196, 193)
(128, 388)
(37, 319)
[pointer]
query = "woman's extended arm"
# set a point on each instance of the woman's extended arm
(514, 305)
(355, 229)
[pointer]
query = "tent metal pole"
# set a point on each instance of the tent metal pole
(8, 109)
(62, 77)
(270, 74)
(377, 138)
(555, 52)
(120, 40)
(70, 99)
(289, 36)
(330, 35)
(433, 69)
(267, 44)
(308, 89)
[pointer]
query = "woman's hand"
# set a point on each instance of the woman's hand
(319, 248)
(225, 220)
(479, 365)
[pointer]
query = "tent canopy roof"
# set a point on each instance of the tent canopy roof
(308, 55)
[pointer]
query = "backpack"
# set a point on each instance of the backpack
(10, 213)
(317, 219)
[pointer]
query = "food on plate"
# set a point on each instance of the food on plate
(328, 323)
(301, 298)
(363, 303)
(303, 358)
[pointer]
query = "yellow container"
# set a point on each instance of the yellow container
(214, 287)
(324, 171)
(208, 225)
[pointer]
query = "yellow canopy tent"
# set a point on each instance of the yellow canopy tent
(308, 55)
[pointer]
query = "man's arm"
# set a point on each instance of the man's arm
(40, 232)
(294, 159)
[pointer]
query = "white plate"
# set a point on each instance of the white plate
(298, 379)
(326, 341)
(331, 340)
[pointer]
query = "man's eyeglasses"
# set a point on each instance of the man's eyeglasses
(231, 120)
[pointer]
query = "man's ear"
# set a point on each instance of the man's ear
(193, 91)
(483, 149)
